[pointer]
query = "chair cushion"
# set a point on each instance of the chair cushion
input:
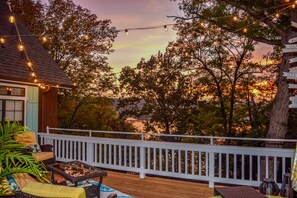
(22, 179)
(43, 156)
(50, 190)
(27, 138)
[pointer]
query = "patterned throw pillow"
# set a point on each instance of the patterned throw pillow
(12, 183)
(34, 148)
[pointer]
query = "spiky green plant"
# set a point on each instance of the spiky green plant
(14, 158)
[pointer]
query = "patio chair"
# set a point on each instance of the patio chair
(30, 188)
(46, 155)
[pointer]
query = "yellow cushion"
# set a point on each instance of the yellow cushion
(27, 138)
(22, 179)
(50, 190)
(43, 156)
(6, 186)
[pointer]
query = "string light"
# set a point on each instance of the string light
(277, 15)
(245, 30)
(35, 80)
(21, 47)
(29, 63)
(202, 25)
(2, 40)
(165, 28)
(87, 37)
(33, 74)
(235, 18)
(44, 39)
(11, 19)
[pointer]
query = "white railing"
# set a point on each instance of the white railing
(205, 162)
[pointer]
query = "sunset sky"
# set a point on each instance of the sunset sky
(135, 13)
(126, 14)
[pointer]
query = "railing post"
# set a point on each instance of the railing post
(142, 159)
(211, 140)
(47, 130)
(90, 152)
(211, 168)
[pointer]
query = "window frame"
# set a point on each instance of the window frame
(19, 98)
(4, 110)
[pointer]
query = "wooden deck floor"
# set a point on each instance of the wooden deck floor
(155, 187)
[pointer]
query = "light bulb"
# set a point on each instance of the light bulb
(21, 47)
(33, 74)
(29, 63)
(202, 24)
(235, 18)
(293, 6)
(35, 80)
(245, 30)
(165, 28)
(277, 15)
(57, 86)
(86, 37)
(2, 40)
(44, 39)
(11, 19)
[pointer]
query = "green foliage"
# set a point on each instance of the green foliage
(79, 43)
(160, 89)
(14, 158)
(95, 113)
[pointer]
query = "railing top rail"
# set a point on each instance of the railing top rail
(172, 135)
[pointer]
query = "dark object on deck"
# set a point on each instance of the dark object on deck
(238, 191)
(269, 187)
(286, 188)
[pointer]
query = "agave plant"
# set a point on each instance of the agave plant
(14, 157)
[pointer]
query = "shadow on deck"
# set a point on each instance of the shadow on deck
(151, 187)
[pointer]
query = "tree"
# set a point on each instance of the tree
(258, 21)
(223, 68)
(78, 42)
(160, 89)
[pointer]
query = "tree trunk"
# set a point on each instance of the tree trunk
(280, 112)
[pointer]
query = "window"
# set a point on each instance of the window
(12, 110)
(12, 91)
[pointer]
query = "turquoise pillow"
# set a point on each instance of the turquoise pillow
(34, 148)
(12, 184)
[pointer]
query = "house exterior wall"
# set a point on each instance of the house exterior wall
(48, 102)
(30, 101)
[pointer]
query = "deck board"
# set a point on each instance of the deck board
(151, 187)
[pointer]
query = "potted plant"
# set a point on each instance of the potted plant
(14, 157)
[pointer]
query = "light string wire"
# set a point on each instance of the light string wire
(165, 26)
(22, 48)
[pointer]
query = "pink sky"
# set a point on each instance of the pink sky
(135, 13)
(139, 13)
